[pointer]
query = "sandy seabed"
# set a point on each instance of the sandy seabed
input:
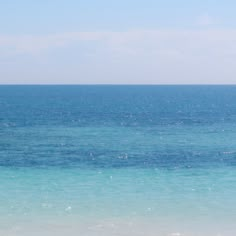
(112, 228)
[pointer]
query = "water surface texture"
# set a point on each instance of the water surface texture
(118, 160)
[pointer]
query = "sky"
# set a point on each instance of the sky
(117, 42)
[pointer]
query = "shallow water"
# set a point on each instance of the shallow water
(117, 160)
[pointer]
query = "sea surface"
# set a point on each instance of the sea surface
(117, 160)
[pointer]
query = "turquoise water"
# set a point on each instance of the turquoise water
(117, 160)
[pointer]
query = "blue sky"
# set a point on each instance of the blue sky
(117, 42)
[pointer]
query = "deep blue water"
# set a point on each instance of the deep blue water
(117, 126)
(123, 151)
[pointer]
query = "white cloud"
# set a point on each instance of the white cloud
(35, 43)
(152, 40)
(154, 56)
(205, 20)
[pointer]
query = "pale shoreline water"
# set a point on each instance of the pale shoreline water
(116, 227)
(125, 160)
(156, 211)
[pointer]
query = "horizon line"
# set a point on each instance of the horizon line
(107, 84)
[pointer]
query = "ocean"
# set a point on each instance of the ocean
(118, 160)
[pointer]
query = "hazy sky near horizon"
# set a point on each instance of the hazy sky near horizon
(117, 42)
